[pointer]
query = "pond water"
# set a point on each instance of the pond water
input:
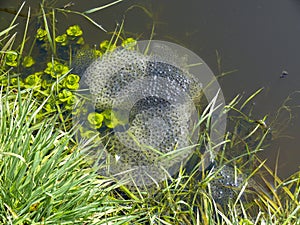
(259, 39)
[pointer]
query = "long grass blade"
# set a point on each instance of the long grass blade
(250, 98)
(102, 7)
(48, 30)
(7, 30)
(24, 35)
(17, 14)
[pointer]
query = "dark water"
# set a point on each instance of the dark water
(258, 38)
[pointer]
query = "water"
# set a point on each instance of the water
(258, 38)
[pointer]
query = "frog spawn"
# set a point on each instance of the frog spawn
(155, 100)
(226, 186)
(111, 73)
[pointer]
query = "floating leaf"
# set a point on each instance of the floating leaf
(111, 121)
(62, 39)
(80, 41)
(71, 82)
(41, 34)
(107, 46)
(74, 31)
(64, 95)
(49, 107)
(28, 61)
(56, 69)
(14, 81)
(71, 101)
(33, 80)
(13, 63)
(129, 43)
(11, 58)
(95, 119)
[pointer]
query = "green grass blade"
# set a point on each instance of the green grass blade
(48, 31)
(24, 36)
(7, 30)
(102, 7)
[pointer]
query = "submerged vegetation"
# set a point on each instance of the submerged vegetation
(47, 177)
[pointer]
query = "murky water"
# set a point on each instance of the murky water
(258, 38)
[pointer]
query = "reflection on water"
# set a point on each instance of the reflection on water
(258, 38)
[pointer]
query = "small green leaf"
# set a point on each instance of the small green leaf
(80, 41)
(14, 82)
(49, 107)
(28, 61)
(56, 69)
(13, 63)
(98, 53)
(110, 119)
(64, 95)
(74, 31)
(71, 102)
(107, 46)
(46, 84)
(11, 58)
(95, 119)
(71, 82)
(129, 43)
(41, 34)
(62, 39)
(89, 133)
(33, 80)
(245, 222)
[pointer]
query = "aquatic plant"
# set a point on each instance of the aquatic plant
(62, 39)
(106, 45)
(111, 120)
(56, 69)
(73, 35)
(28, 61)
(129, 43)
(74, 31)
(71, 82)
(41, 34)
(11, 58)
(95, 119)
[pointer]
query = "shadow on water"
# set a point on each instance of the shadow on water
(260, 39)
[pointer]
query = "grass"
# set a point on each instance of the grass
(44, 176)
(46, 179)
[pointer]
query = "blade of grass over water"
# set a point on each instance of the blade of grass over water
(3, 32)
(8, 45)
(85, 16)
(24, 35)
(250, 98)
(53, 30)
(102, 7)
(48, 31)
(17, 14)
